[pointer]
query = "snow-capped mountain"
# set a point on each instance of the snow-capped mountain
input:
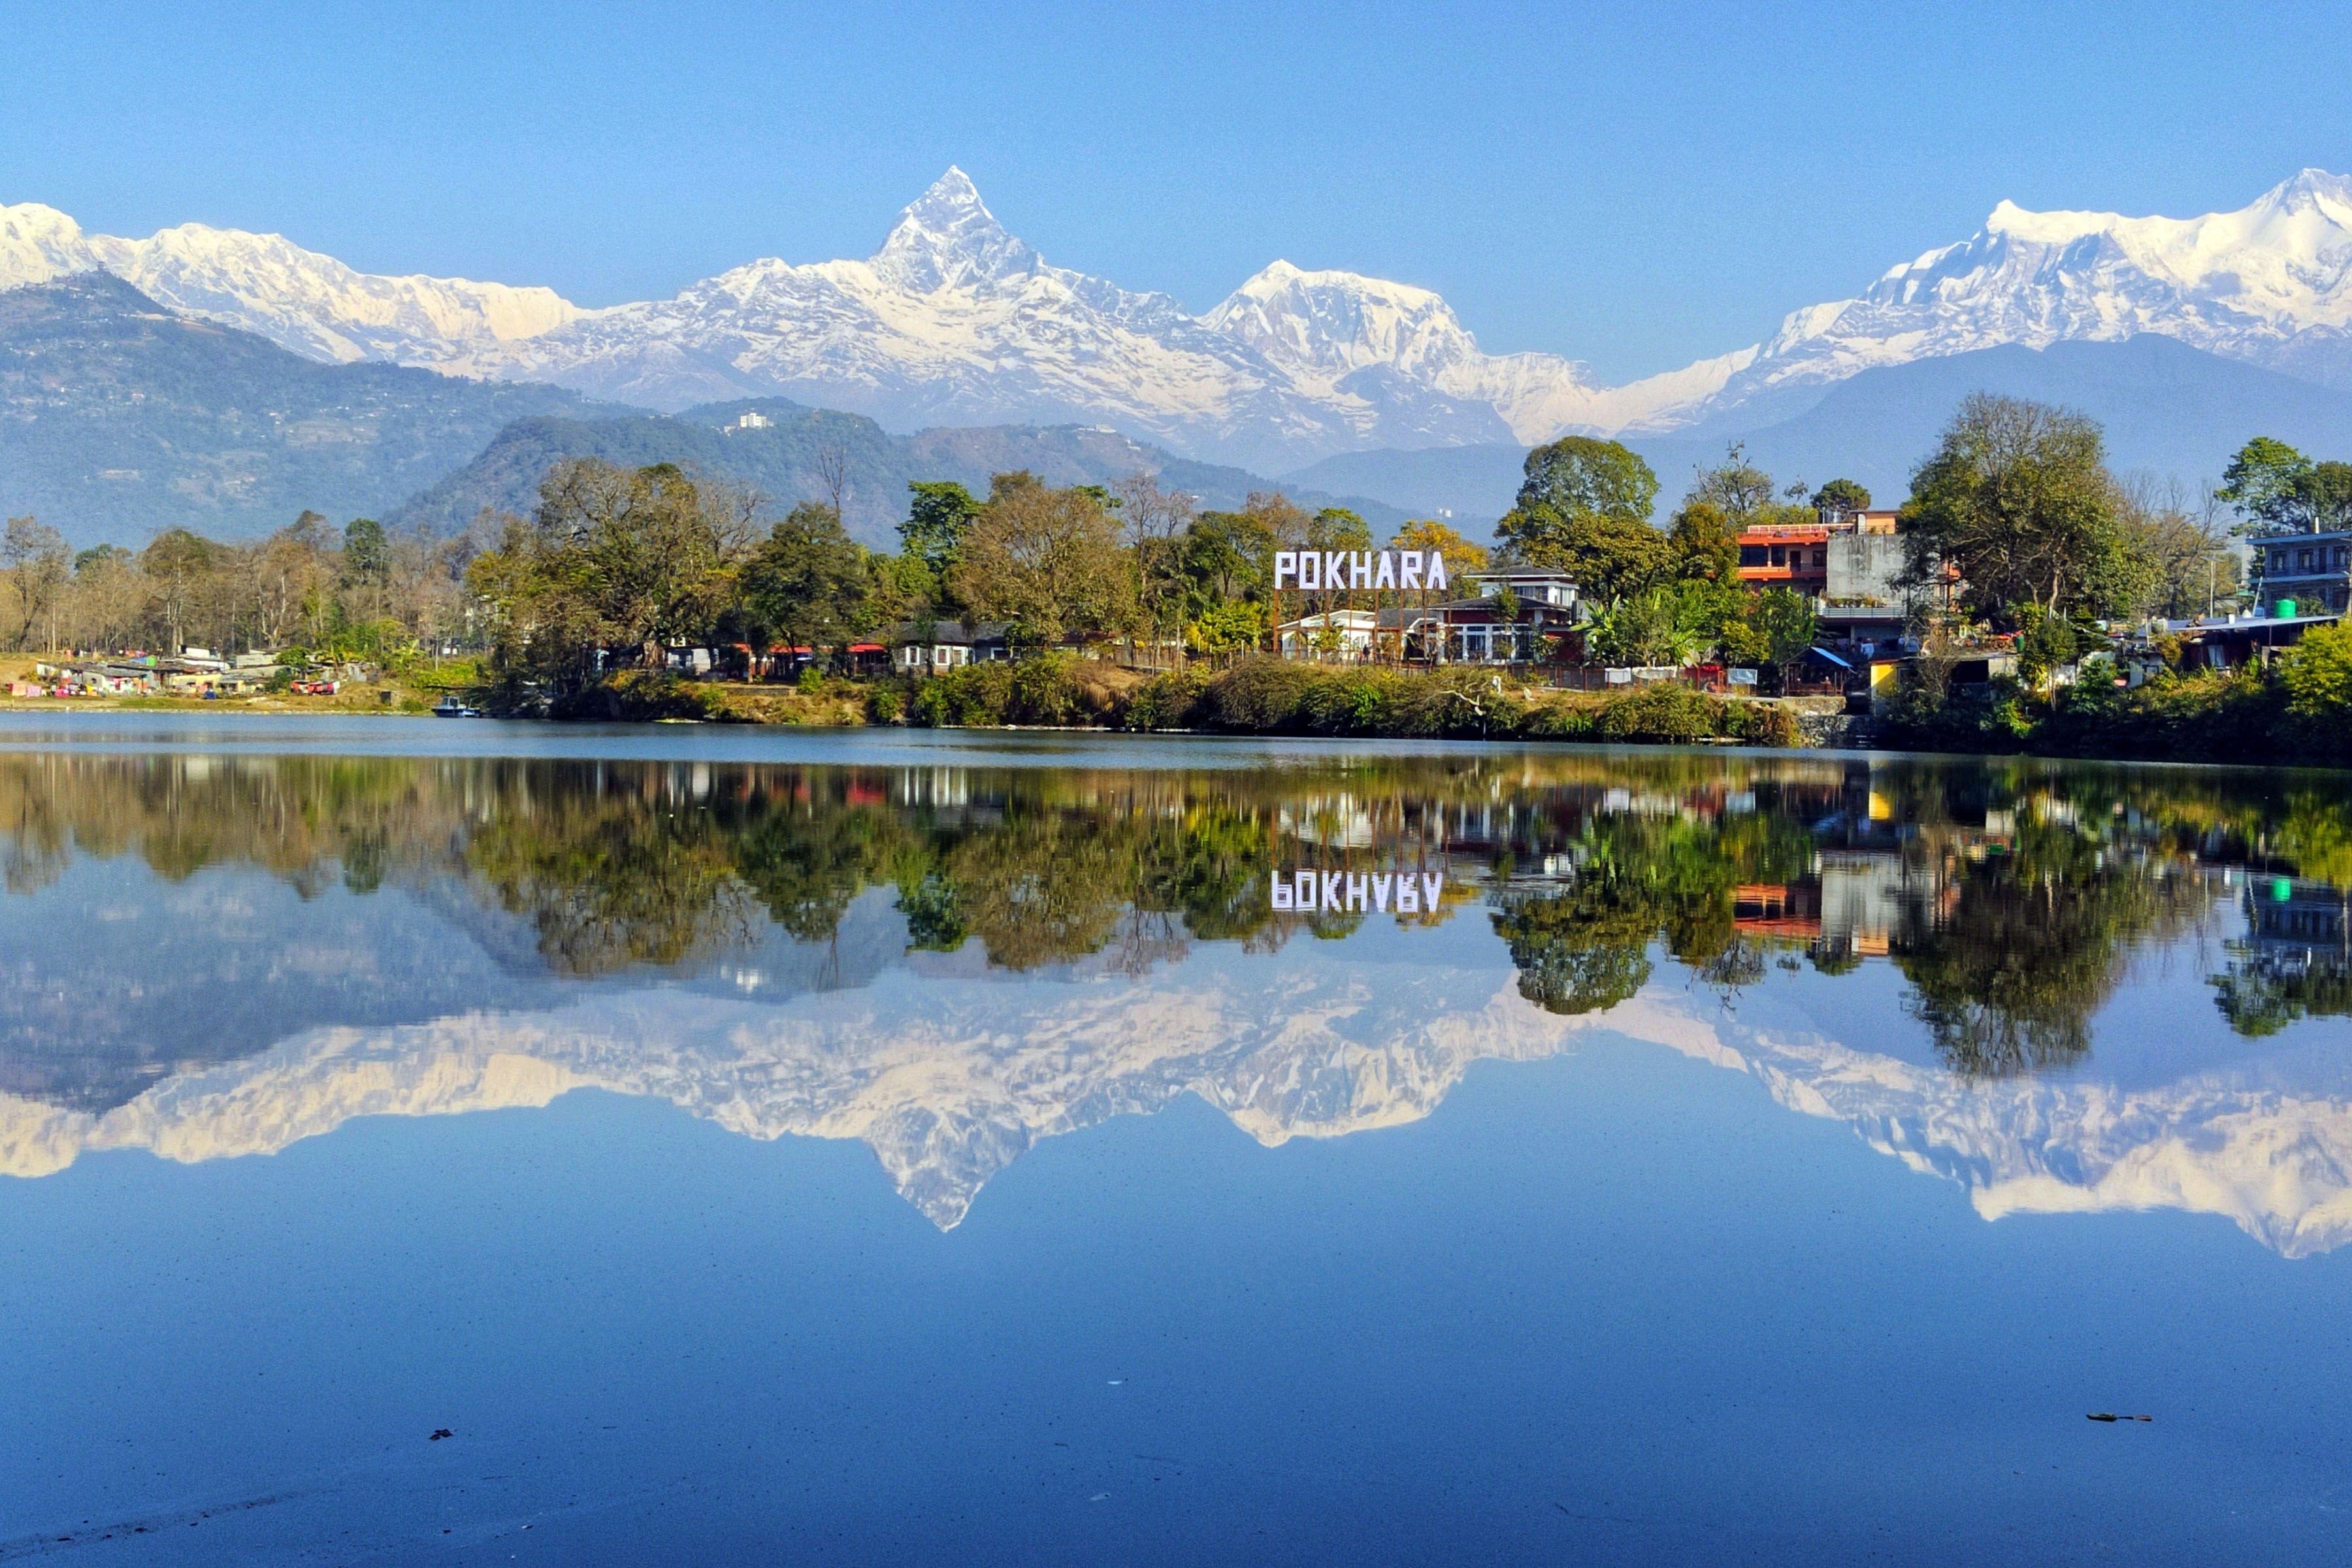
(299, 299)
(955, 319)
(2270, 283)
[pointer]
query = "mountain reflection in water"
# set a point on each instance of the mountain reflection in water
(2066, 987)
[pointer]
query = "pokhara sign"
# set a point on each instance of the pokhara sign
(1326, 571)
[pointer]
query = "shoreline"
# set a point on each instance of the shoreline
(551, 728)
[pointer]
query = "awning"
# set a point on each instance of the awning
(1824, 653)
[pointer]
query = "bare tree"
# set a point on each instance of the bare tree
(831, 467)
(35, 556)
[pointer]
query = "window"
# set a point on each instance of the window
(1751, 555)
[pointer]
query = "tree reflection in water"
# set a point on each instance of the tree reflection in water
(2011, 896)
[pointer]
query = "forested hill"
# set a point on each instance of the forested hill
(785, 460)
(118, 417)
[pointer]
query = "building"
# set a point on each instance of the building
(937, 647)
(1344, 634)
(1519, 617)
(2305, 574)
(1786, 555)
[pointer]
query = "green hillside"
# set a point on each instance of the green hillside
(119, 418)
(785, 458)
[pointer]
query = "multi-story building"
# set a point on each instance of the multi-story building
(1542, 604)
(2311, 571)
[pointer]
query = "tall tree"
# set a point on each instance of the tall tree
(1584, 508)
(2264, 481)
(1578, 476)
(2017, 497)
(1047, 563)
(610, 558)
(1155, 521)
(937, 518)
(38, 567)
(1705, 544)
(175, 565)
(1841, 498)
(805, 580)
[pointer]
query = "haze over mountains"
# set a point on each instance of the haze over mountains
(954, 321)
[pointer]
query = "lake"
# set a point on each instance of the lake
(451, 1142)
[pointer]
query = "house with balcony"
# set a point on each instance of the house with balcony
(2305, 574)
(1518, 616)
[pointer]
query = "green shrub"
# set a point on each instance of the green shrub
(1168, 701)
(2318, 674)
(1557, 721)
(1261, 695)
(1045, 690)
(885, 706)
(1665, 712)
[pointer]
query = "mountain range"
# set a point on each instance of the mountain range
(227, 380)
(120, 417)
(956, 321)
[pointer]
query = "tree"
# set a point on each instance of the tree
(2017, 497)
(1155, 521)
(291, 572)
(1584, 508)
(936, 522)
(2318, 674)
(1609, 557)
(1578, 476)
(1427, 534)
(2180, 561)
(1336, 528)
(1775, 629)
(1703, 543)
(174, 564)
(1649, 628)
(805, 580)
(2264, 482)
(1735, 486)
(1841, 498)
(1045, 562)
(654, 554)
(37, 564)
(632, 558)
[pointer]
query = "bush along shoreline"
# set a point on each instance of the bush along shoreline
(1256, 697)
(2297, 711)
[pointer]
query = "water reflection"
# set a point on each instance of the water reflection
(211, 956)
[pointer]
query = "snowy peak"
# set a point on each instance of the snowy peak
(947, 239)
(956, 321)
(1332, 324)
(39, 243)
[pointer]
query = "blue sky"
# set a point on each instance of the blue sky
(1634, 186)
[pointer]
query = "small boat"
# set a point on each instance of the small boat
(450, 708)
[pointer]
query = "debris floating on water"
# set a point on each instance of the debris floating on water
(2103, 1415)
(437, 1436)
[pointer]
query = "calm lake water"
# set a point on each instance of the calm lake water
(434, 1142)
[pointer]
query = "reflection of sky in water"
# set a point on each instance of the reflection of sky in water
(1645, 1282)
